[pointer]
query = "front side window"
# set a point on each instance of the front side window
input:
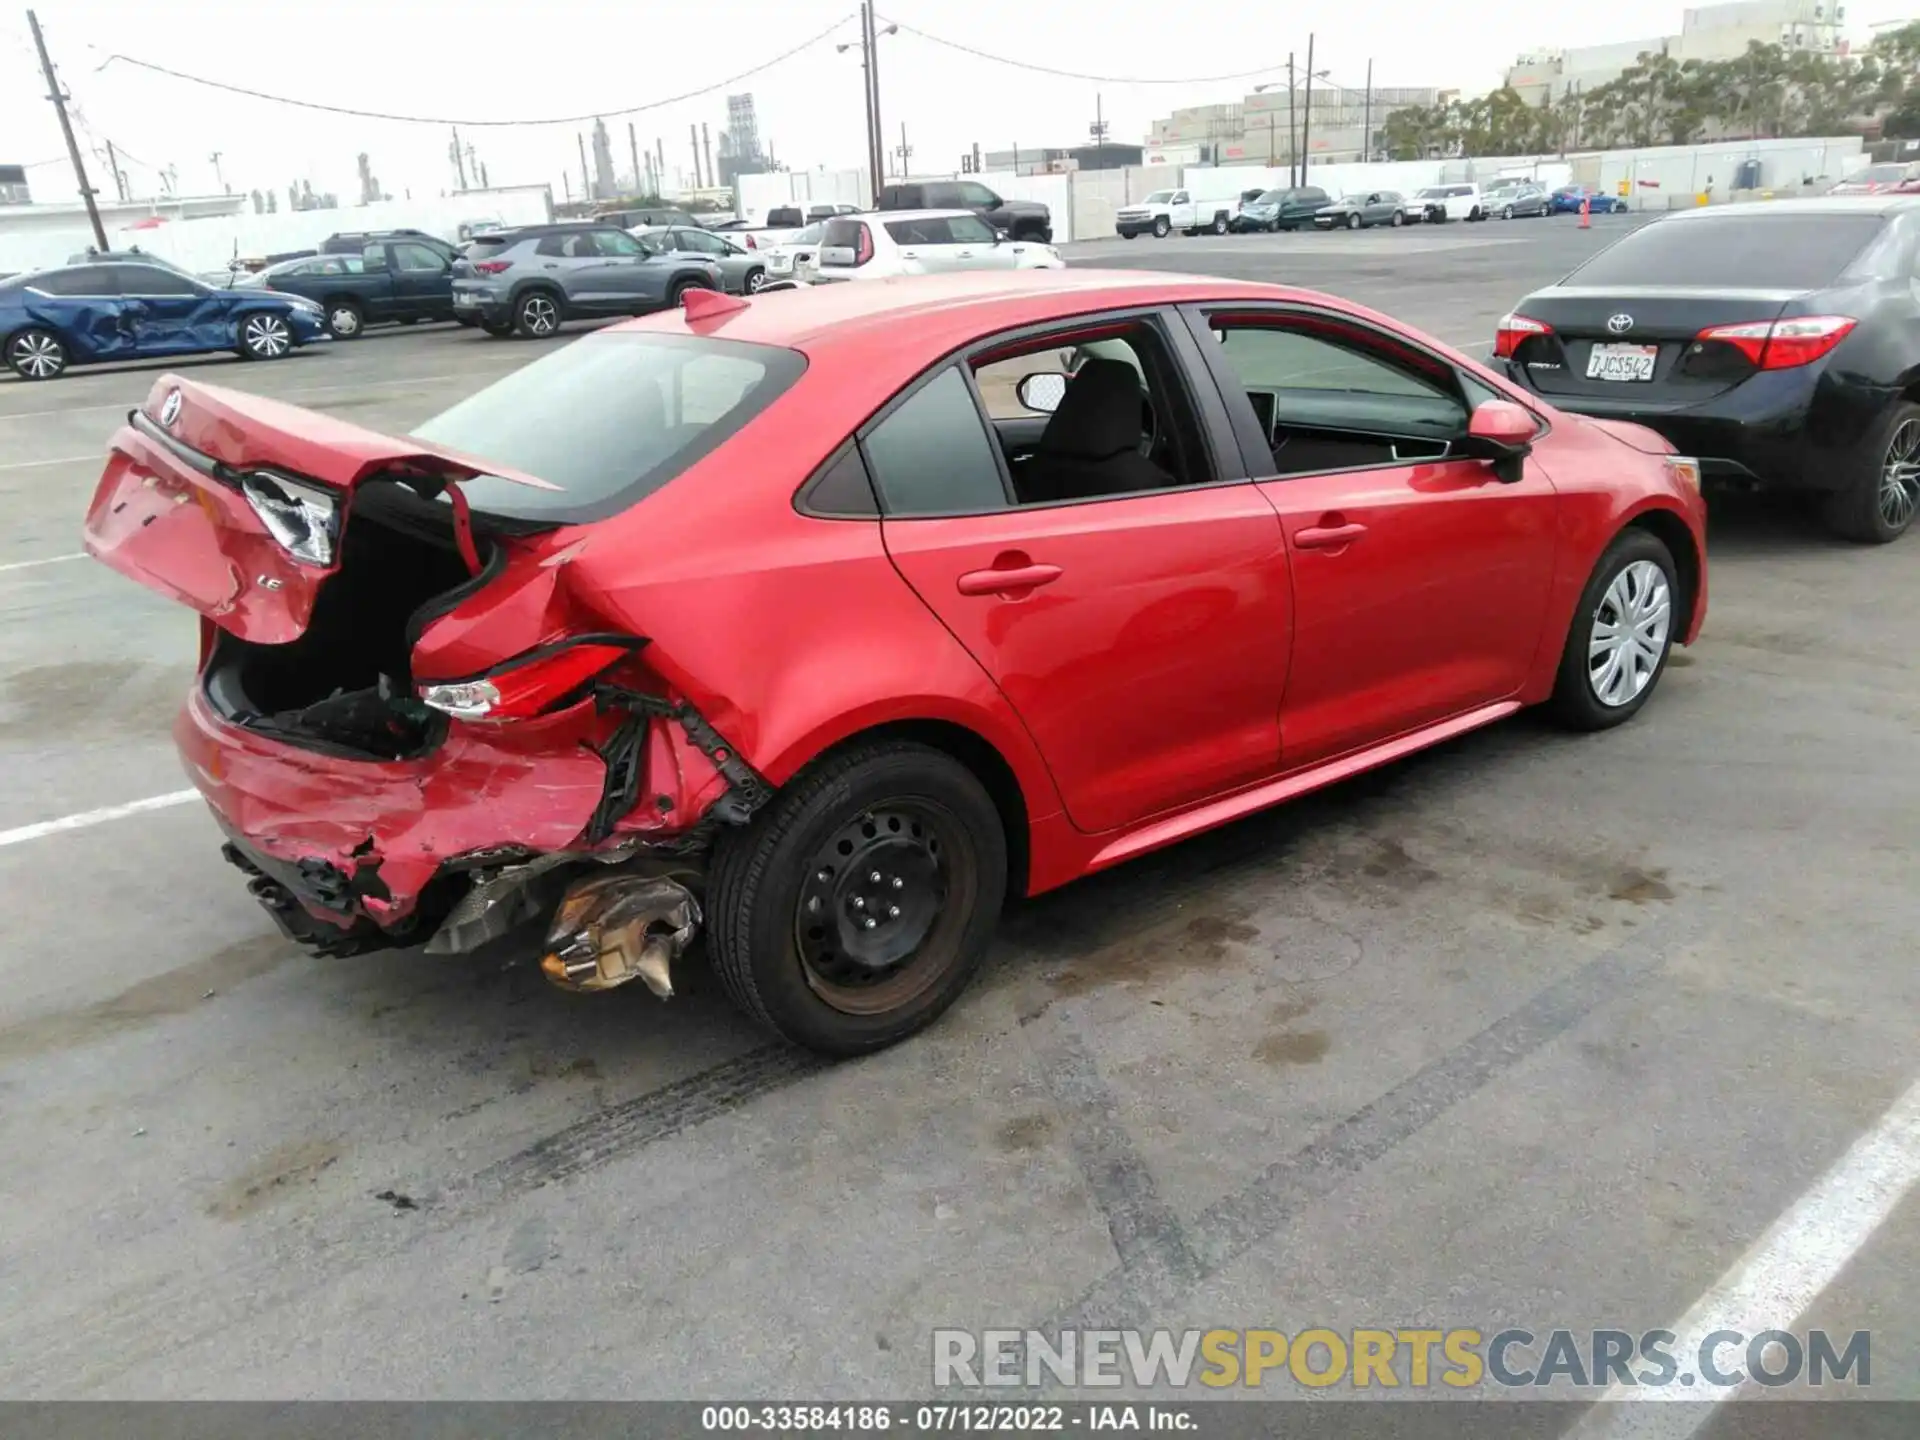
(613, 244)
(418, 259)
(933, 456)
(1329, 396)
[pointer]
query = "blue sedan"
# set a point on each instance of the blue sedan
(127, 310)
(1566, 201)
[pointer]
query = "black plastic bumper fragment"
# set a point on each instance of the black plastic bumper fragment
(279, 887)
(747, 791)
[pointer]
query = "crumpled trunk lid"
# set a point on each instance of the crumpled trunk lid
(234, 504)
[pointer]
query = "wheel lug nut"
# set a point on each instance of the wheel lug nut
(823, 875)
(898, 883)
(859, 902)
(874, 877)
(893, 912)
(813, 905)
(871, 922)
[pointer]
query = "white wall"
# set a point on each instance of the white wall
(201, 245)
(37, 237)
(757, 194)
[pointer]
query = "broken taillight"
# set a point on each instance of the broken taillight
(528, 686)
(303, 518)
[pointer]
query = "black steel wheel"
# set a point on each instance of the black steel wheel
(859, 902)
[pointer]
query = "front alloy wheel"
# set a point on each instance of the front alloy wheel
(265, 337)
(36, 355)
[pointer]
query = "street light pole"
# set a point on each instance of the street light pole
(1306, 115)
(1291, 132)
(1366, 122)
(59, 98)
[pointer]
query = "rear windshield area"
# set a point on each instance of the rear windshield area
(609, 420)
(1748, 252)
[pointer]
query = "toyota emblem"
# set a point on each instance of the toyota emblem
(1619, 324)
(170, 408)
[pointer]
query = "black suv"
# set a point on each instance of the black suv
(1021, 219)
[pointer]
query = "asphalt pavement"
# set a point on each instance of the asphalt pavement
(1532, 1030)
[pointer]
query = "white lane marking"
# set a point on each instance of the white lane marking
(85, 818)
(60, 460)
(49, 560)
(378, 385)
(1782, 1273)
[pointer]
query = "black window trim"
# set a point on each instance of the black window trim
(1256, 452)
(1191, 366)
(803, 497)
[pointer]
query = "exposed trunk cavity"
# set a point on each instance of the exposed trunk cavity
(346, 684)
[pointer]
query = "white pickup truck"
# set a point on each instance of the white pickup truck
(1165, 211)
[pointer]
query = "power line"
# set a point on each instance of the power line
(1078, 75)
(444, 120)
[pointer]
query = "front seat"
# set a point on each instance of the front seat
(1091, 445)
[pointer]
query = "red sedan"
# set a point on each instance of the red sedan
(825, 620)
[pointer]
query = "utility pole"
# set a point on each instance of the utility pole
(586, 183)
(659, 162)
(459, 157)
(633, 147)
(1306, 115)
(59, 98)
(1292, 133)
(706, 146)
(119, 175)
(1366, 123)
(873, 99)
(906, 150)
(693, 139)
(218, 178)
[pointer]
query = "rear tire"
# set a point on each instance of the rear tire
(755, 280)
(1878, 504)
(1219, 224)
(345, 320)
(1622, 633)
(782, 911)
(37, 355)
(536, 315)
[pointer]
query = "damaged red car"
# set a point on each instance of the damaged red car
(819, 623)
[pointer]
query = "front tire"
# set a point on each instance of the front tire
(1354, 222)
(1507, 214)
(1398, 220)
(1878, 505)
(809, 944)
(37, 355)
(1162, 227)
(265, 337)
(1621, 635)
(678, 294)
(344, 320)
(536, 315)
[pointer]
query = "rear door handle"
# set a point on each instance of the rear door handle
(1017, 578)
(1328, 537)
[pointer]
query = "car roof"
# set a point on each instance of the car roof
(1823, 205)
(920, 317)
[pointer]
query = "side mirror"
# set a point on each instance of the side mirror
(1503, 433)
(1041, 392)
(1001, 235)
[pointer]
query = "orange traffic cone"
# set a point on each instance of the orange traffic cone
(1585, 223)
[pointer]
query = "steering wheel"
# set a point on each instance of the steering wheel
(1149, 427)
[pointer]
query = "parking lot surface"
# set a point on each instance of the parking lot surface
(1534, 1029)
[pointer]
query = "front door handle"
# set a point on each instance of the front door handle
(1011, 580)
(1328, 537)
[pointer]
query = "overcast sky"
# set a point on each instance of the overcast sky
(491, 60)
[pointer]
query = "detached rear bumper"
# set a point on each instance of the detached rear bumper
(357, 843)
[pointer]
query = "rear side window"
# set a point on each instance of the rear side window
(1756, 252)
(929, 230)
(933, 456)
(87, 280)
(486, 249)
(609, 419)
